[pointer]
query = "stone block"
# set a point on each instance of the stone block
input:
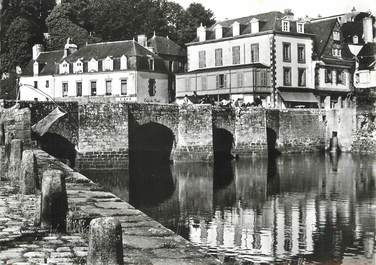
(28, 175)
(15, 160)
(105, 242)
(54, 205)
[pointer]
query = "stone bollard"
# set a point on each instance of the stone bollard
(105, 242)
(2, 134)
(3, 163)
(54, 205)
(15, 160)
(28, 174)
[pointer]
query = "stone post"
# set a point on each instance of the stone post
(2, 134)
(3, 163)
(105, 242)
(28, 174)
(54, 205)
(15, 160)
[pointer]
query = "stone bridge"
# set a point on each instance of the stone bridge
(109, 135)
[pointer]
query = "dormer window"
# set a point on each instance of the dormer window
(285, 25)
(78, 67)
(300, 27)
(93, 65)
(336, 35)
(218, 31)
(255, 27)
(336, 52)
(108, 64)
(236, 29)
(64, 68)
(123, 63)
(355, 39)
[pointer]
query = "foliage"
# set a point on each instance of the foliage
(60, 28)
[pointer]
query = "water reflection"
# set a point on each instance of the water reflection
(292, 209)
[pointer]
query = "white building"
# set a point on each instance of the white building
(266, 55)
(124, 70)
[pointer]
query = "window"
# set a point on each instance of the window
(93, 88)
(108, 87)
(285, 26)
(301, 53)
(301, 77)
(47, 83)
(286, 52)
(65, 89)
(79, 89)
(336, 52)
(123, 86)
(204, 82)
(171, 66)
(341, 77)
(254, 53)
(236, 55)
(221, 81)
(218, 57)
(151, 64)
(93, 65)
(152, 87)
(328, 76)
(35, 84)
(201, 59)
(300, 27)
(240, 78)
(286, 76)
(264, 78)
(355, 39)
(188, 84)
(336, 35)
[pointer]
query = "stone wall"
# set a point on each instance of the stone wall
(103, 131)
(295, 130)
(250, 132)
(223, 130)
(195, 135)
(364, 132)
(343, 122)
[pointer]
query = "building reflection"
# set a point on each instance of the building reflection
(313, 208)
(320, 208)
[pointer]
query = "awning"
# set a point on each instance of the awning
(304, 97)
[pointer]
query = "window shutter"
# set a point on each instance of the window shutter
(217, 81)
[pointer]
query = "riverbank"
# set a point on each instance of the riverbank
(145, 241)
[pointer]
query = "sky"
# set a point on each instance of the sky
(227, 9)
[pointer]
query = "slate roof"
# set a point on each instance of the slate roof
(48, 63)
(114, 49)
(165, 46)
(350, 29)
(322, 31)
(367, 56)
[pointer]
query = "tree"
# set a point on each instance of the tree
(20, 37)
(60, 28)
(194, 15)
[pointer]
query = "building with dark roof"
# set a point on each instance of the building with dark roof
(333, 63)
(128, 70)
(261, 56)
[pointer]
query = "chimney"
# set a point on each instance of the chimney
(37, 49)
(367, 29)
(36, 68)
(142, 40)
(69, 48)
(236, 29)
(288, 13)
(201, 33)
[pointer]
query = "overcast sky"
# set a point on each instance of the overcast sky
(237, 8)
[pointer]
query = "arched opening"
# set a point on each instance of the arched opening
(224, 184)
(57, 146)
(271, 138)
(151, 181)
(223, 141)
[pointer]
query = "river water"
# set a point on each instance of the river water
(294, 209)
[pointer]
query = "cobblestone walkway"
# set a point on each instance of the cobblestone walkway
(21, 243)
